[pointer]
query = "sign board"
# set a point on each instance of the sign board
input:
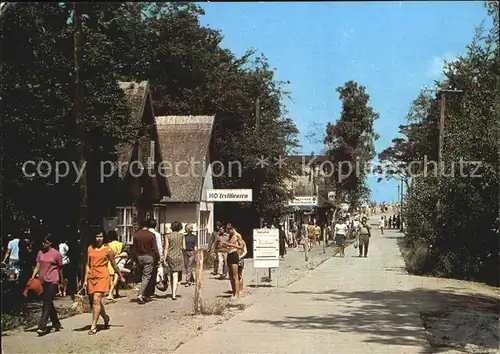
(304, 201)
(229, 195)
(109, 223)
(266, 248)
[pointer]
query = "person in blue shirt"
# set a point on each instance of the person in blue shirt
(190, 254)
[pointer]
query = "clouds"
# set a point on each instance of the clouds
(436, 64)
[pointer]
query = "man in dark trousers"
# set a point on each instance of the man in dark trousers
(212, 246)
(148, 258)
(282, 240)
(364, 232)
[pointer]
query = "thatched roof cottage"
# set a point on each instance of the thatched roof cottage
(139, 194)
(185, 149)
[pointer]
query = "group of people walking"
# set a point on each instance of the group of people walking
(55, 271)
(360, 230)
(50, 270)
(393, 222)
(105, 266)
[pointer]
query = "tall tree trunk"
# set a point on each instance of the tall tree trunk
(81, 141)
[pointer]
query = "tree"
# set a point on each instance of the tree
(463, 241)
(38, 110)
(416, 150)
(350, 141)
(190, 74)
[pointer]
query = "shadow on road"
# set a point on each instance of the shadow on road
(393, 237)
(389, 317)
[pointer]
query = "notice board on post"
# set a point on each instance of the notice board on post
(266, 248)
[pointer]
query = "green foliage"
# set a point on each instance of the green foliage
(460, 238)
(351, 140)
(190, 74)
(416, 149)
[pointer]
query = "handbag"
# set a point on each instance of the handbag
(356, 243)
(162, 278)
(80, 300)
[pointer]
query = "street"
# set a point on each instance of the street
(346, 305)
(181, 135)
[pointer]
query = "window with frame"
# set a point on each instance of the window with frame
(160, 215)
(125, 225)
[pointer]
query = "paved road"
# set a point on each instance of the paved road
(347, 305)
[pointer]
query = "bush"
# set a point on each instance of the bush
(13, 321)
(208, 260)
(417, 258)
(208, 308)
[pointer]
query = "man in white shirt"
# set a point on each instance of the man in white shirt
(152, 228)
(63, 250)
(12, 253)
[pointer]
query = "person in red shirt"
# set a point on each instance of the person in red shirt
(148, 258)
(49, 268)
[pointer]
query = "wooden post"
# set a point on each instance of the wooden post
(441, 133)
(401, 207)
(323, 236)
(198, 304)
(257, 113)
(441, 143)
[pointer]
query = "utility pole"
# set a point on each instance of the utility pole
(399, 195)
(401, 206)
(257, 113)
(81, 146)
(257, 128)
(442, 116)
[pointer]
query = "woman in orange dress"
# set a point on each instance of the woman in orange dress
(97, 278)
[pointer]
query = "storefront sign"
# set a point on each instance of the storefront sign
(304, 201)
(229, 195)
(266, 248)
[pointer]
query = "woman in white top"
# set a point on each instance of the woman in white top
(66, 269)
(340, 236)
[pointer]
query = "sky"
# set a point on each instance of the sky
(392, 48)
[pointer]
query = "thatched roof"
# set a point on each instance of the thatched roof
(184, 142)
(136, 94)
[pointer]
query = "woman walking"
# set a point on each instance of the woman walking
(311, 234)
(340, 236)
(115, 246)
(173, 254)
(97, 279)
(49, 268)
(189, 247)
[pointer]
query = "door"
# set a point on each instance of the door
(202, 232)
